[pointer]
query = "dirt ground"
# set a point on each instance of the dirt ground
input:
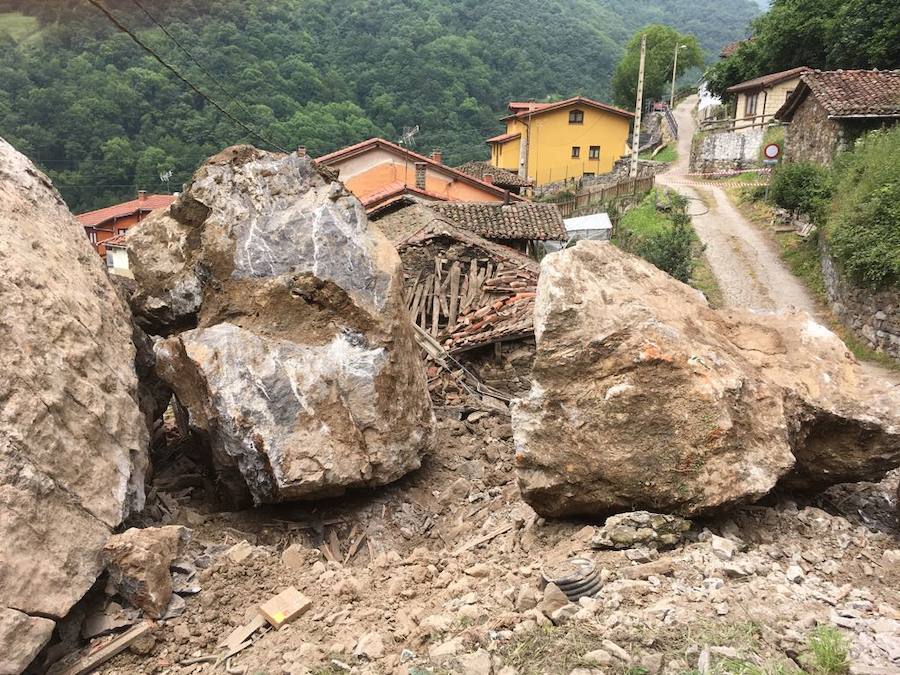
(416, 595)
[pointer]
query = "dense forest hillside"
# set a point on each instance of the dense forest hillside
(104, 118)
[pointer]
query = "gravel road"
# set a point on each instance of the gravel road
(743, 260)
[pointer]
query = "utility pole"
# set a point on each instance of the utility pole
(638, 111)
(678, 48)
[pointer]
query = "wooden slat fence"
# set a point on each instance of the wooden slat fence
(626, 188)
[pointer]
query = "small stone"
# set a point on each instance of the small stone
(722, 609)
(370, 646)
(794, 574)
(143, 645)
(713, 583)
(239, 552)
(564, 614)
(626, 530)
(891, 556)
(554, 599)
(479, 570)
(615, 650)
(407, 655)
(723, 548)
(476, 663)
(294, 557)
(599, 657)
(446, 649)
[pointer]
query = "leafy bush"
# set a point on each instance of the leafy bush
(671, 249)
(803, 187)
(864, 226)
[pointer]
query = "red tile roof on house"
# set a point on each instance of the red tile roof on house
(502, 177)
(575, 100)
(524, 221)
(394, 192)
(503, 138)
(518, 106)
(848, 94)
(365, 146)
(767, 80)
(118, 240)
(141, 205)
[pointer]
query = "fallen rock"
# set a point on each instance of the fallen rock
(73, 444)
(138, 561)
(554, 599)
(644, 397)
(626, 530)
(370, 646)
(724, 549)
(300, 367)
(21, 638)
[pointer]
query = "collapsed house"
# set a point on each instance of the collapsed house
(472, 295)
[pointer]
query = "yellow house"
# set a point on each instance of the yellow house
(549, 142)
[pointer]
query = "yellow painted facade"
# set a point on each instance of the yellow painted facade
(560, 147)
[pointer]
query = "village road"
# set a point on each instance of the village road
(744, 260)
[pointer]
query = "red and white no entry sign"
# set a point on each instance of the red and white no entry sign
(772, 151)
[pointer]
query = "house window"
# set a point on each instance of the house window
(92, 235)
(750, 105)
(576, 117)
(576, 151)
(109, 259)
(588, 174)
(789, 94)
(121, 230)
(594, 152)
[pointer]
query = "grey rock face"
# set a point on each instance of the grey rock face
(299, 364)
(73, 444)
(21, 638)
(644, 397)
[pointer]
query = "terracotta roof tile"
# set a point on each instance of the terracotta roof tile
(118, 240)
(502, 177)
(579, 100)
(856, 93)
(767, 80)
(149, 203)
(503, 138)
(527, 220)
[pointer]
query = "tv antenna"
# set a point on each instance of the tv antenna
(165, 177)
(409, 133)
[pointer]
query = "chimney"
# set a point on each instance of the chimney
(301, 151)
(437, 156)
(420, 175)
(489, 178)
(142, 195)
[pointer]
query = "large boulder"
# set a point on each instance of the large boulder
(73, 443)
(645, 398)
(288, 340)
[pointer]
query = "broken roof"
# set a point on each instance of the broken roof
(524, 220)
(502, 177)
(141, 205)
(767, 80)
(847, 94)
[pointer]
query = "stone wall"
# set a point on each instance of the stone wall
(726, 150)
(811, 136)
(873, 316)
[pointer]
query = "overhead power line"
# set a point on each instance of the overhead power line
(190, 55)
(250, 130)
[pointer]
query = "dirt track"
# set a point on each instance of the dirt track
(743, 260)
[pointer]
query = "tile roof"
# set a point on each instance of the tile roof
(146, 205)
(579, 100)
(397, 189)
(118, 240)
(503, 138)
(528, 220)
(365, 146)
(502, 177)
(848, 93)
(767, 80)
(509, 318)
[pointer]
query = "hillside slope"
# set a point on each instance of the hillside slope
(103, 118)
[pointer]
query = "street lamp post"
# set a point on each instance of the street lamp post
(678, 48)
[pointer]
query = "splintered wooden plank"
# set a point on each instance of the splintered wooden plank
(285, 607)
(425, 304)
(241, 634)
(118, 644)
(411, 290)
(436, 312)
(454, 296)
(463, 295)
(417, 297)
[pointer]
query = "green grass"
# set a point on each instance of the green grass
(17, 25)
(552, 649)
(704, 281)
(667, 154)
(828, 652)
(802, 258)
(644, 218)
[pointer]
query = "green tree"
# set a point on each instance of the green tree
(662, 41)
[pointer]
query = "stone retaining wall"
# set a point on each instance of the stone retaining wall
(726, 150)
(873, 316)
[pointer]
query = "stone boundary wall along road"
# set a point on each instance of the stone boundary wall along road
(874, 316)
(726, 150)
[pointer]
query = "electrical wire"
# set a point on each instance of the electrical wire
(118, 24)
(190, 55)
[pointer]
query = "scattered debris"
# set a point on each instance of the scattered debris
(97, 657)
(626, 530)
